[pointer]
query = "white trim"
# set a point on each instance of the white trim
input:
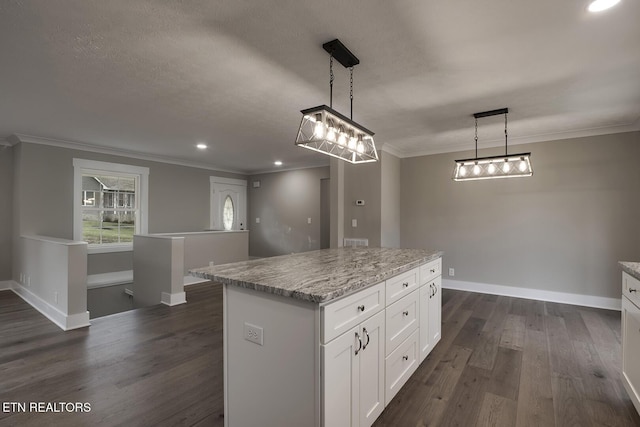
(6, 285)
(173, 299)
(142, 194)
(535, 294)
(109, 279)
(72, 145)
(109, 248)
(557, 136)
(192, 233)
(286, 169)
(227, 181)
(64, 322)
(388, 148)
(193, 280)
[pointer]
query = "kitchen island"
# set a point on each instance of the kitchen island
(324, 338)
(631, 330)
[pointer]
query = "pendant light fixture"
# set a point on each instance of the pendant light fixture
(325, 130)
(507, 166)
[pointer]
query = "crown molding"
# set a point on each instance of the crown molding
(74, 145)
(556, 136)
(388, 148)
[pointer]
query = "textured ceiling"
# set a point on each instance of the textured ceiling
(157, 77)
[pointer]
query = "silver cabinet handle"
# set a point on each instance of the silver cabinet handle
(364, 346)
(361, 307)
(359, 342)
(432, 293)
(405, 357)
(433, 270)
(633, 290)
(405, 313)
(405, 284)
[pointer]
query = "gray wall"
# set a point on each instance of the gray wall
(178, 197)
(363, 182)
(283, 202)
(6, 210)
(564, 229)
(390, 201)
(108, 300)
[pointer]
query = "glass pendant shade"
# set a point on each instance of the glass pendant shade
(511, 166)
(325, 130)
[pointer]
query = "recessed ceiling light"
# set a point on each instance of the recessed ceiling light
(201, 146)
(277, 163)
(600, 5)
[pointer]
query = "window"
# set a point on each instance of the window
(113, 205)
(227, 213)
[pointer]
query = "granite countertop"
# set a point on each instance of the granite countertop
(318, 276)
(633, 268)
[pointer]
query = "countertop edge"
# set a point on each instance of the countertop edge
(632, 268)
(324, 297)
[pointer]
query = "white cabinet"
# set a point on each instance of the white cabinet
(400, 365)
(430, 315)
(373, 341)
(435, 311)
(631, 337)
(353, 381)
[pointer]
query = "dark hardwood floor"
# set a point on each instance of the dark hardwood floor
(501, 362)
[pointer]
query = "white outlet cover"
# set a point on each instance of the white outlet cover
(354, 223)
(257, 220)
(308, 220)
(253, 333)
(452, 272)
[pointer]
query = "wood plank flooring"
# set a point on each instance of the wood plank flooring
(501, 362)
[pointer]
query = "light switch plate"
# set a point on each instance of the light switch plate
(354, 223)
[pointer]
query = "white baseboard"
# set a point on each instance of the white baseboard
(109, 279)
(192, 280)
(6, 285)
(65, 322)
(535, 294)
(173, 299)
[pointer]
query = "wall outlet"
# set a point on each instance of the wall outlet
(354, 223)
(256, 184)
(452, 272)
(253, 333)
(308, 220)
(257, 220)
(359, 202)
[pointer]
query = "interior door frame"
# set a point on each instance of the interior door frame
(216, 183)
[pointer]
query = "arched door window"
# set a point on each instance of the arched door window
(228, 213)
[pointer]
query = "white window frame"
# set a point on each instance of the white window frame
(84, 167)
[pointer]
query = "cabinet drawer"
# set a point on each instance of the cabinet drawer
(340, 316)
(631, 288)
(401, 320)
(401, 285)
(399, 366)
(430, 270)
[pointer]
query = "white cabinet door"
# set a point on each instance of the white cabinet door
(630, 350)
(341, 376)
(372, 369)
(435, 311)
(426, 292)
